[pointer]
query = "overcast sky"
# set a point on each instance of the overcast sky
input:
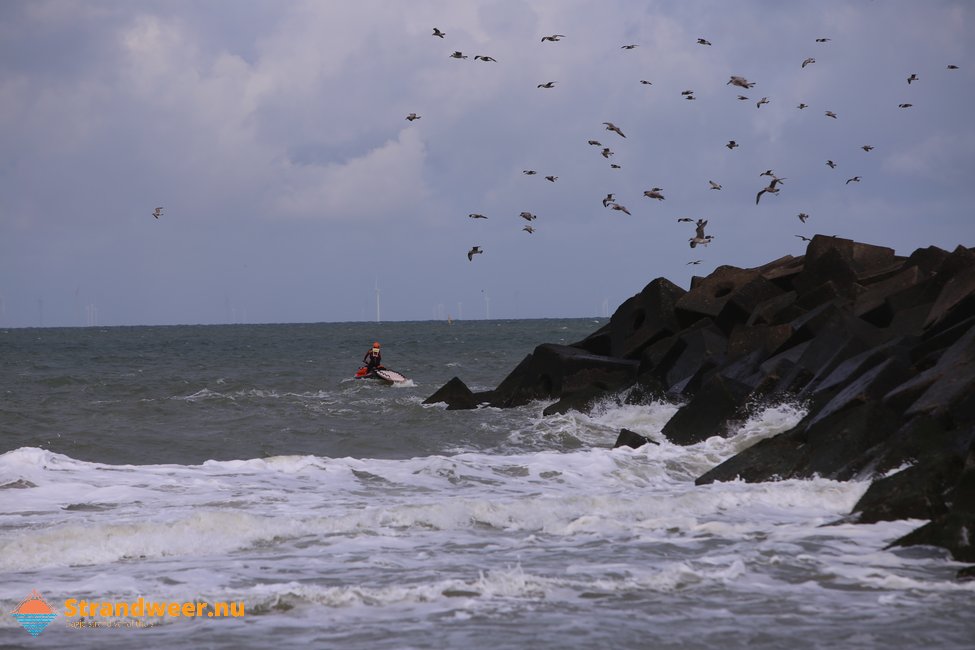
(274, 136)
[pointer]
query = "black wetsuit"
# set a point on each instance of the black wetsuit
(373, 359)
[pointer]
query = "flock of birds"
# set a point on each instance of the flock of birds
(700, 238)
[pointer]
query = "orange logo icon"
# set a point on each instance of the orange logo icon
(34, 613)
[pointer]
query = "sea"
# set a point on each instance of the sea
(241, 471)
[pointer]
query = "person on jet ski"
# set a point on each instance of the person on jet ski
(373, 358)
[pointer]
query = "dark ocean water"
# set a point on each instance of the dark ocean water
(242, 464)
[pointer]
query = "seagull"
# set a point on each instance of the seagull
(807, 62)
(714, 186)
(528, 172)
(612, 127)
(763, 100)
(703, 241)
(528, 229)
(913, 77)
(596, 143)
(547, 84)
(742, 98)
(855, 179)
(527, 216)
(413, 116)
(683, 219)
(475, 250)
(484, 58)
(702, 41)
(823, 40)
(952, 66)
(437, 32)
(458, 55)
(621, 208)
(904, 105)
(802, 106)
(551, 178)
(768, 172)
(553, 38)
(867, 147)
(741, 82)
(607, 153)
(609, 199)
(157, 212)
(628, 47)
(803, 238)
(699, 228)
(831, 114)
(802, 217)
(694, 262)
(615, 166)
(646, 83)
(690, 97)
(474, 215)
(771, 189)
(654, 193)
(832, 165)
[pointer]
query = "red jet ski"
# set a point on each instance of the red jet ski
(381, 373)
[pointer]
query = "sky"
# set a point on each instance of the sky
(274, 136)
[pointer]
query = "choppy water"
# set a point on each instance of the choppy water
(241, 464)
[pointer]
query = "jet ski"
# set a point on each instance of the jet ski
(381, 373)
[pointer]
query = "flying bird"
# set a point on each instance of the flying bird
(807, 62)
(802, 106)
(458, 55)
(763, 100)
(904, 105)
(867, 147)
(690, 97)
(554, 38)
(157, 212)
(831, 114)
(547, 84)
(528, 229)
(741, 82)
(699, 236)
(527, 216)
(684, 219)
(551, 178)
(481, 57)
(913, 77)
(628, 47)
(768, 172)
(802, 217)
(714, 186)
(614, 166)
(474, 215)
(596, 143)
(952, 66)
(769, 189)
(823, 40)
(855, 179)
(612, 127)
(528, 172)
(607, 153)
(437, 32)
(694, 262)
(475, 250)
(609, 199)
(654, 193)
(413, 116)
(646, 83)
(702, 41)
(731, 144)
(832, 165)
(742, 98)
(621, 208)
(803, 238)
